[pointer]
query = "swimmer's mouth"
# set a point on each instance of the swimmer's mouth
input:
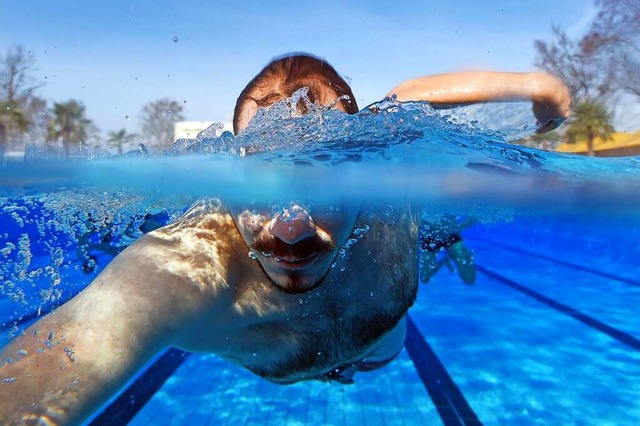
(291, 262)
(291, 256)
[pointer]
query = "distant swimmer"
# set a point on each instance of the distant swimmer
(444, 235)
(295, 290)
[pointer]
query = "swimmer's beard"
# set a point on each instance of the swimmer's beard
(294, 281)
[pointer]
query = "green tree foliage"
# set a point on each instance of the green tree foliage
(158, 119)
(70, 124)
(590, 120)
(13, 119)
(119, 139)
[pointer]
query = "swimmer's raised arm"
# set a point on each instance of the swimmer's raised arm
(68, 364)
(549, 95)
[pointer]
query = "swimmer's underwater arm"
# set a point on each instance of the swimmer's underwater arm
(549, 95)
(69, 363)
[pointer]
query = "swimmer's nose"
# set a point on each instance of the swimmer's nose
(293, 225)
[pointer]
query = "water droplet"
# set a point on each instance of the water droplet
(255, 354)
(175, 39)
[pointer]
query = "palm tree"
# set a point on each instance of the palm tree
(590, 120)
(13, 120)
(120, 138)
(69, 124)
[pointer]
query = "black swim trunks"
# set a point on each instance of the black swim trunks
(435, 244)
(386, 351)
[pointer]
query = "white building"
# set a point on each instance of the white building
(191, 129)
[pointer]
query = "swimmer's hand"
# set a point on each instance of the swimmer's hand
(551, 101)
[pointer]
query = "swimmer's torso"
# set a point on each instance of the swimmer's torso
(289, 337)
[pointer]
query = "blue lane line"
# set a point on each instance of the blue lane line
(451, 404)
(620, 336)
(124, 408)
(449, 401)
(559, 262)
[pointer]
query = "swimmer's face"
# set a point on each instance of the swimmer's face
(295, 245)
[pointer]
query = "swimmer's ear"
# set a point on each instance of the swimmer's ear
(249, 110)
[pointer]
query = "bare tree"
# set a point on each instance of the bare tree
(615, 36)
(577, 64)
(158, 119)
(17, 83)
(605, 61)
(22, 110)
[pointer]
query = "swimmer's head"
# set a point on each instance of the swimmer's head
(282, 77)
(293, 248)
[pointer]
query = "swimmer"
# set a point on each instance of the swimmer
(444, 235)
(297, 292)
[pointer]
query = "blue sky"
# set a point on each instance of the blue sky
(115, 56)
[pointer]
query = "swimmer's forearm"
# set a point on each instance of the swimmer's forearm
(475, 86)
(69, 363)
(549, 95)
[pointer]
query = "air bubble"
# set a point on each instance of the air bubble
(175, 39)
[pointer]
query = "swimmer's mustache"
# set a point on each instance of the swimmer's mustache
(267, 243)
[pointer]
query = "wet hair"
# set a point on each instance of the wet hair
(282, 77)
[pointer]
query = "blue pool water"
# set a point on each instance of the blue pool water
(548, 334)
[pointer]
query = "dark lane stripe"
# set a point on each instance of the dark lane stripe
(620, 336)
(449, 401)
(559, 262)
(130, 402)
